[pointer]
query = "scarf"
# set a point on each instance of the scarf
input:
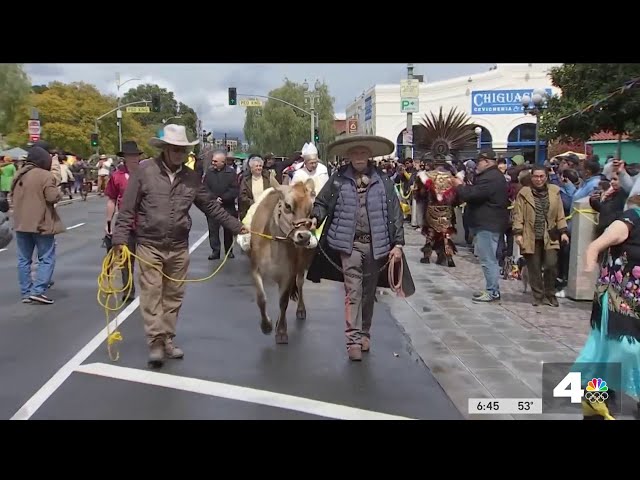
(541, 199)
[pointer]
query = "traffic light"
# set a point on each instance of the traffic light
(94, 139)
(316, 136)
(233, 99)
(155, 103)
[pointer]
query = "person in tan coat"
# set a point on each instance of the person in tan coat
(36, 222)
(253, 183)
(539, 225)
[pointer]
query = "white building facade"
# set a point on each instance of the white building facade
(493, 101)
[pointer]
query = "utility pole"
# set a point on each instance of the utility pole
(119, 112)
(310, 97)
(407, 148)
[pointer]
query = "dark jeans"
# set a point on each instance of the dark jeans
(214, 234)
(542, 282)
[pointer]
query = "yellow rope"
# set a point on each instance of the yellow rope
(586, 212)
(107, 290)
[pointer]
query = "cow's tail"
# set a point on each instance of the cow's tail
(293, 291)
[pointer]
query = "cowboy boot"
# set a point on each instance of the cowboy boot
(171, 351)
(354, 352)
(156, 353)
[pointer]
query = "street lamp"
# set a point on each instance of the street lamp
(119, 112)
(164, 122)
(534, 105)
(478, 131)
(310, 97)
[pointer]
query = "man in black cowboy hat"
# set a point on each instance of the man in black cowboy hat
(114, 191)
(363, 233)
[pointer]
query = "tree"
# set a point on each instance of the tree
(282, 129)
(67, 115)
(169, 107)
(584, 84)
(39, 88)
(15, 87)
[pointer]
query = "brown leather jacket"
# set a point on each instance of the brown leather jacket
(160, 209)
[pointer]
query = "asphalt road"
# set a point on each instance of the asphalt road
(54, 362)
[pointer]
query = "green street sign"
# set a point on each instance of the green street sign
(409, 105)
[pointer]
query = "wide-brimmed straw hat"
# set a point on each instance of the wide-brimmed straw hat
(379, 146)
(173, 135)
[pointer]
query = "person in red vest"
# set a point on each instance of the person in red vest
(114, 192)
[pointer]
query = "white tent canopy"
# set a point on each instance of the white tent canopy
(14, 153)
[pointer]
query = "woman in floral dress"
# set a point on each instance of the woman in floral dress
(615, 316)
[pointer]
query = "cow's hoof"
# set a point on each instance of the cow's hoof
(301, 315)
(266, 327)
(282, 338)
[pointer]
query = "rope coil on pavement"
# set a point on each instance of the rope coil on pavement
(107, 290)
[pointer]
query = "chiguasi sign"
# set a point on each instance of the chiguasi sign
(499, 102)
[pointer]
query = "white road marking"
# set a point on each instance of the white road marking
(75, 226)
(35, 402)
(233, 392)
(3, 249)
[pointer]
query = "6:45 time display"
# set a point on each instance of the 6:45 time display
(505, 406)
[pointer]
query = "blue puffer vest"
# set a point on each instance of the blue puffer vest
(343, 227)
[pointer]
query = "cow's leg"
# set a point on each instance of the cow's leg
(301, 312)
(285, 285)
(261, 298)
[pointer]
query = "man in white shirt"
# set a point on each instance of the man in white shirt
(312, 168)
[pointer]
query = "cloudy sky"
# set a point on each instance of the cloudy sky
(204, 86)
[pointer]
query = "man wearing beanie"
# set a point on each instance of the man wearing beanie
(36, 223)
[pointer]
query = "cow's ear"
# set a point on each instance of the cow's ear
(280, 191)
(311, 186)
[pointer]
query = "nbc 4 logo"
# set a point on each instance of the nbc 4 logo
(571, 387)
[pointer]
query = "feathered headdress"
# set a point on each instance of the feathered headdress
(441, 135)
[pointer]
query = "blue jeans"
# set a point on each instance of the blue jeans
(46, 247)
(485, 248)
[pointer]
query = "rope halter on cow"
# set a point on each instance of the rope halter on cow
(289, 226)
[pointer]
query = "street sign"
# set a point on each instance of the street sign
(407, 138)
(251, 102)
(352, 126)
(409, 88)
(409, 105)
(138, 110)
(34, 138)
(34, 127)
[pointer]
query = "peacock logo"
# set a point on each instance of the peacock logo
(597, 391)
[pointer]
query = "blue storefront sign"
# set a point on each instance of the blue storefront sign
(499, 102)
(368, 109)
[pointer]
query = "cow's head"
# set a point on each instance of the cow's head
(294, 209)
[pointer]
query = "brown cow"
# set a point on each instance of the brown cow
(284, 215)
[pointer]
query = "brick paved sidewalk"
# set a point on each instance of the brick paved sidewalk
(478, 350)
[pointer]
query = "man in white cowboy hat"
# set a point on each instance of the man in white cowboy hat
(156, 203)
(363, 231)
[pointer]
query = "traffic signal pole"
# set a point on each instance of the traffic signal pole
(312, 112)
(110, 112)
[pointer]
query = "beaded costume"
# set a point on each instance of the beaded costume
(441, 135)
